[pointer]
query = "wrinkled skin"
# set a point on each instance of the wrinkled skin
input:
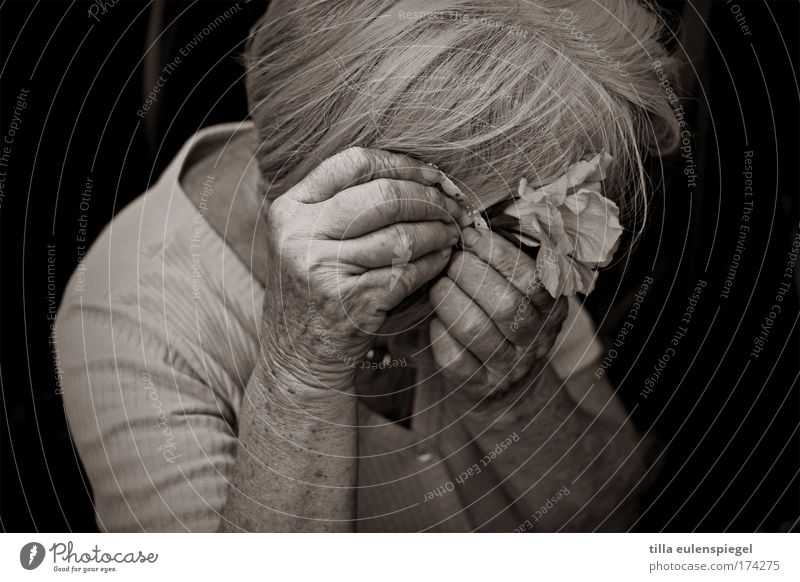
(336, 270)
(364, 231)
(494, 322)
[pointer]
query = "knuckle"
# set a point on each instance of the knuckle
(418, 233)
(433, 196)
(356, 156)
(385, 203)
(391, 234)
(276, 221)
(473, 326)
(388, 191)
(354, 160)
(401, 236)
(444, 354)
(505, 262)
(434, 199)
(277, 211)
(457, 264)
(356, 152)
(315, 258)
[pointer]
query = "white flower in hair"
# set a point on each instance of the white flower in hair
(575, 227)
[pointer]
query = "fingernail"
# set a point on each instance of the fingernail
(470, 236)
(432, 174)
(465, 220)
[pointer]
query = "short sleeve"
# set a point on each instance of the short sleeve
(157, 339)
(155, 441)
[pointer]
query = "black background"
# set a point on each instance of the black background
(730, 421)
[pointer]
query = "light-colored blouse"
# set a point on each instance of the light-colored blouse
(158, 338)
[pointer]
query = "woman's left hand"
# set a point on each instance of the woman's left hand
(495, 323)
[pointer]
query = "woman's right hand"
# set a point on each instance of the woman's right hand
(347, 244)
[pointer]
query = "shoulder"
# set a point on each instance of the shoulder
(160, 281)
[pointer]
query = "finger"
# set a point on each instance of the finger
(511, 262)
(398, 244)
(357, 165)
(505, 305)
(468, 323)
(390, 285)
(452, 357)
(369, 207)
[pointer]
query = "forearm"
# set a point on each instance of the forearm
(296, 465)
(558, 442)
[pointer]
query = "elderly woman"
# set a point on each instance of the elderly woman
(309, 322)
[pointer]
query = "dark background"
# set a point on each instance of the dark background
(730, 421)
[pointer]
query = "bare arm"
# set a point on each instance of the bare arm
(296, 467)
(572, 438)
(495, 326)
(333, 276)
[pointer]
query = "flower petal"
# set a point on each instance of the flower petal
(541, 221)
(595, 230)
(576, 175)
(577, 278)
(524, 239)
(576, 204)
(575, 226)
(529, 194)
(548, 266)
(563, 275)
